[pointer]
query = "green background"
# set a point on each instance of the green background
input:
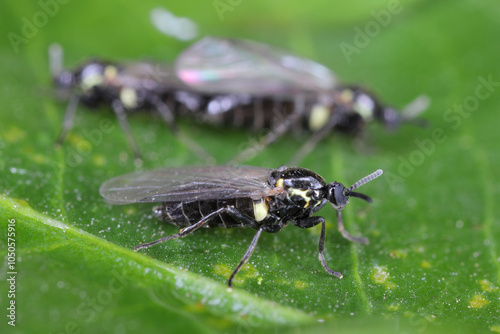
(433, 263)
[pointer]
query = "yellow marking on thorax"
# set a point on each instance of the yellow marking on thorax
(92, 81)
(110, 72)
(279, 183)
(260, 210)
(347, 96)
(301, 193)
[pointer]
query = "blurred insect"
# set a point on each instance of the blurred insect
(126, 88)
(258, 86)
(221, 196)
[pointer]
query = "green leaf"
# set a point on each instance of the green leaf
(432, 264)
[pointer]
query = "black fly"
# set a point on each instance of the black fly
(232, 82)
(221, 196)
(255, 85)
(126, 88)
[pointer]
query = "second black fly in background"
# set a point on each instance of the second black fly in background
(231, 82)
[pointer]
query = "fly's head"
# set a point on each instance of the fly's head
(368, 108)
(64, 82)
(88, 81)
(338, 195)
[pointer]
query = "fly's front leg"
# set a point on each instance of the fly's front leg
(69, 117)
(168, 117)
(347, 235)
(321, 248)
(313, 221)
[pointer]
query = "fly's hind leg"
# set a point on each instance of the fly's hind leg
(183, 232)
(311, 143)
(168, 117)
(236, 215)
(119, 110)
(283, 126)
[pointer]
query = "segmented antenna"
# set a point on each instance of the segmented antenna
(55, 59)
(364, 180)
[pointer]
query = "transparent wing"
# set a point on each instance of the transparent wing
(160, 77)
(217, 65)
(183, 184)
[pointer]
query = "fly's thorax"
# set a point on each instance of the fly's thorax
(94, 74)
(301, 190)
(307, 199)
(357, 101)
(92, 81)
(100, 81)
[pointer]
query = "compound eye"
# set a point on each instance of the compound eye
(331, 195)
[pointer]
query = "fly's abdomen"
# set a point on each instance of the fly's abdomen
(255, 113)
(189, 213)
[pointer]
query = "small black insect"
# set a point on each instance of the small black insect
(221, 196)
(232, 82)
(258, 86)
(125, 88)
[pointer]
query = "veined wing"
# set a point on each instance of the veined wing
(149, 76)
(235, 66)
(188, 184)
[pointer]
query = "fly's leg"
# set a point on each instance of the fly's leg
(347, 235)
(245, 258)
(265, 141)
(236, 215)
(321, 248)
(276, 133)
(169, 118)
(69, 117)
(313, 221)
(187, 230)
(311, 143)
(122, 120)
